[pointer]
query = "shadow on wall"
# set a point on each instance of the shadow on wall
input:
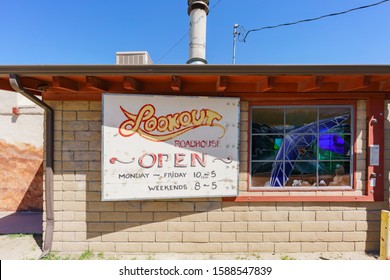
(21, 222)
(132, 223)
(137, 221)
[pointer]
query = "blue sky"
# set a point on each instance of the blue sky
(91, 31)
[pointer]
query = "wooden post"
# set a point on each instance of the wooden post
(385, 235)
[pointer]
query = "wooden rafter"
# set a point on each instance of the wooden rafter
(310, 84)
(222, 82)
(95, 83)
(67, 84)
(35, 85)
(4, 84)
(265, 84)
(354, 83)
(176, 83)
(385, 85)
(131, 83)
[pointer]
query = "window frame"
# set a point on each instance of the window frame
(284, 107)
(374, 134)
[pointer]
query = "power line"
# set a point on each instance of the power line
(312, 19)
(184, 36)
(219, 1)
(172, 48)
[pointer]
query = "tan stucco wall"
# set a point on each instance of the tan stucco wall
(84, 222)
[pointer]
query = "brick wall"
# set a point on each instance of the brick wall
(84, 222)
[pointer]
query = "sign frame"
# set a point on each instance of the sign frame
(169, 147)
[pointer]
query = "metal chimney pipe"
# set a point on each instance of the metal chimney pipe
(198, 11)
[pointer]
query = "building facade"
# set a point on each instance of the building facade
(313, 154)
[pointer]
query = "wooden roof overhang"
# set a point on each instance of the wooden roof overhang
(87, 82)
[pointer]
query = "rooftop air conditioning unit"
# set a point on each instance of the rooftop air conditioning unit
(133, 58)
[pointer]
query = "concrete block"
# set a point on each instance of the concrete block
(234, 247)
(155, 247)
(196, 237)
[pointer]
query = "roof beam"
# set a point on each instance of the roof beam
(131, 83)
(265, 84)
(310, 84)
(34, 84)
(354, 83)
(222, 83)
(67, 84)
(4, 84)
(176, 83)
(385, 85)
(95, 83)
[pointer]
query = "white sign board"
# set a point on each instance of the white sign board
(169, 147)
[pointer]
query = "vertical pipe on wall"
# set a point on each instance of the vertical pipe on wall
(49, 151)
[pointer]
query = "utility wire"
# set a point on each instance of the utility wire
(215, 5)
(174, 46)
(311, 19)
(184, 36)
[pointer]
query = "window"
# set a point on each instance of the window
(301, 147)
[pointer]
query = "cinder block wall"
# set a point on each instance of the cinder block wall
(84, 222)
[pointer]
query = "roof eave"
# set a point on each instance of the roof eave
(75, 70)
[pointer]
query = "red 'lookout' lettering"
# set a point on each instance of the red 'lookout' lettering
(163, 128)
